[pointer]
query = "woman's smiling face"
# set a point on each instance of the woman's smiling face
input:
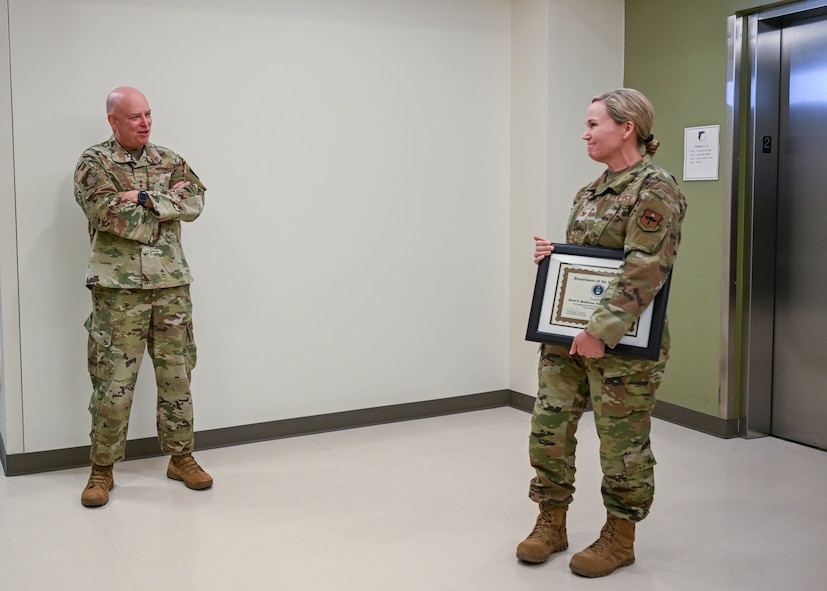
(604, 136)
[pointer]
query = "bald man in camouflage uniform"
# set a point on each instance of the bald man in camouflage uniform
(135, 195)
(635, 206)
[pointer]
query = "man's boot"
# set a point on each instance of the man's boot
(186, 469)
(101, 481)
(547, 537)
(613, 549)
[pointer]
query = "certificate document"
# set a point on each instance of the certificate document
(570, 286)
(578, 293)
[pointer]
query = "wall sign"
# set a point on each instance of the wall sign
(701, 153)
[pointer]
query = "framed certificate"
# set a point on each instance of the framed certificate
(569, 287)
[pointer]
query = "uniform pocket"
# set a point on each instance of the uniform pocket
(163, 182)
(190, 350)
(98, 349)
(626, 396)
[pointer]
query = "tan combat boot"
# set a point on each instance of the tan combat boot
(547, 537)
(101, 481)
(186, 469)
(613, 549)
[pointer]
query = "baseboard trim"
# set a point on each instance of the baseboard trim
(724, 428)
(59, 459)
(521, 401)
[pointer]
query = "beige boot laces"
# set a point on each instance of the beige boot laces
(187, 464)
(99, 478)
(606, 537)
(544, 520)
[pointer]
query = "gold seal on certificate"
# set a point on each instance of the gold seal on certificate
(571, 284)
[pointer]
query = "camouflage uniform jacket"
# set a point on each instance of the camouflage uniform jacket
(131, 247)
(640, 210)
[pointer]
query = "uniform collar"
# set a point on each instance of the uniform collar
(121, 155)
(617, 182)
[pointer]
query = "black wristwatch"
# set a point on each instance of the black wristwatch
(143, 197)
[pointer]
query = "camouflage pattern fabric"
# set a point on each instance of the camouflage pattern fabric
(622, 414)
(641, 210)
(131, 247)
(123, 324)
(140, 280)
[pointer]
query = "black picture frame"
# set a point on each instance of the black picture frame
(556, 317)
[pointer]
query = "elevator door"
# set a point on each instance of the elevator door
(799, 389)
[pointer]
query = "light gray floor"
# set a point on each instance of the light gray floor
(433, 504)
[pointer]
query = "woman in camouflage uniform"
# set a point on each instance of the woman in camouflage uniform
(636, 206)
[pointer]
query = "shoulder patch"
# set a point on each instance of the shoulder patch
(651, 224)
(89, 180)
(649, 220)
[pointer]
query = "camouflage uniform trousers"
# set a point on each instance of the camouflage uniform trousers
(123, 324)
(622, 413)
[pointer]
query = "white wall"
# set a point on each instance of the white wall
(564, 52)
(365, 242)
(529, 175)
(353, 251)
(11, 427)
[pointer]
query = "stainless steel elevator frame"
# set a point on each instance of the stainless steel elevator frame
(753, 73)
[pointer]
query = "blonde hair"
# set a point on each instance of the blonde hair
(628, 104)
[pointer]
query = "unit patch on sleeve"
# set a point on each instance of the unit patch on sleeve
(649, 220)
(649, 227)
